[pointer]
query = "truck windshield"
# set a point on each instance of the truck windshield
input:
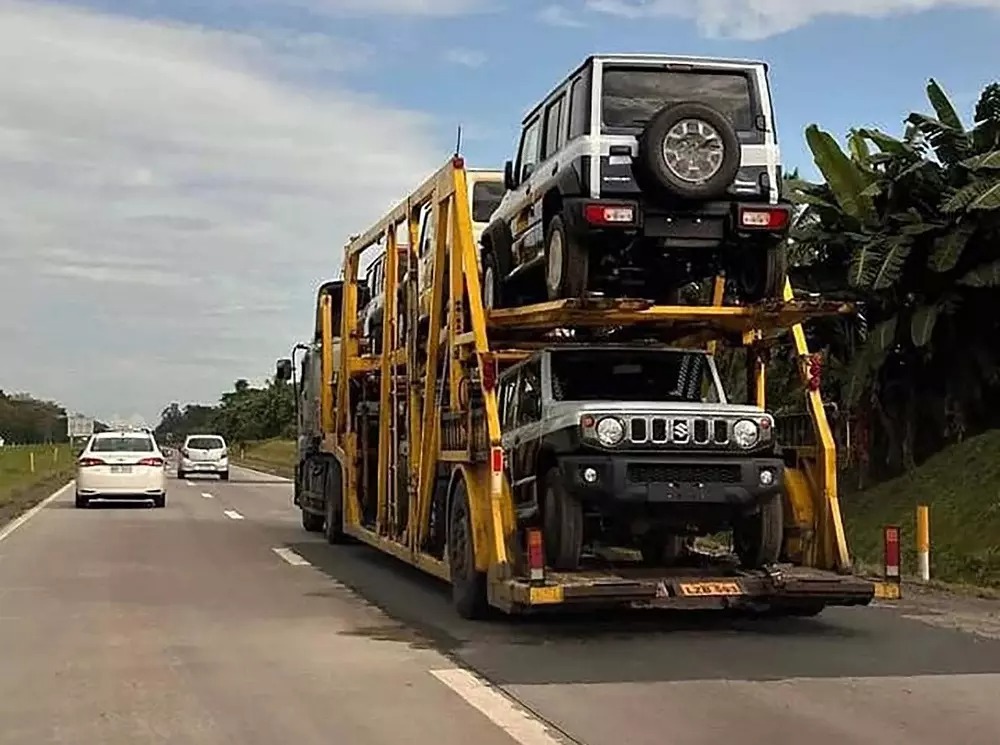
(632, 375)
(632, 96)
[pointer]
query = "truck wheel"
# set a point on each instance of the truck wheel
(563, 524)
(761, 272)
(333, 528)
(758, 537)
(312, 522)
(567, 262)
(468, 586)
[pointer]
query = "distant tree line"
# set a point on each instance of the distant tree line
(26, 420)
(243, 414)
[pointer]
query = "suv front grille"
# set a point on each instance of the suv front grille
(683, 474)
(659, 430)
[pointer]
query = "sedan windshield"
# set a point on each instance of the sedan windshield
(122, 445)
(632, 375)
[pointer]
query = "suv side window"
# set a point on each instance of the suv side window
(579, 108)
(554, 129)
(527, 158)
(529, 408)
(505, 402)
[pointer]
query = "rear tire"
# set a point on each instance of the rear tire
(311, 522)
(758, 537)
(82, 502)
(761, 272)
(224, 476)
(563, 524)
(160, 502)
(567, 262)
(181, 474)
(468, 586)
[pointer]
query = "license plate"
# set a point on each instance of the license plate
(121, 469)
(710, 589)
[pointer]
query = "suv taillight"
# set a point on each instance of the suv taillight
(151, 462)
(609, 214)
(764, 218)
(88, 462)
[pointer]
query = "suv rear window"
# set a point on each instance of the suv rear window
(631, 97)
(486, 196)
(122, 445)
(206, 443)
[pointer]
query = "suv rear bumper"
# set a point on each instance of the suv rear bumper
(682, 480)
(703, 224)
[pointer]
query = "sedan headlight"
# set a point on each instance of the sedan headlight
(610, 431)
(746, 434)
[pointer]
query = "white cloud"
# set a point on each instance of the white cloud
(170, 199)
(759, 19)
(465, 57)
(559, 15)
(432, 8)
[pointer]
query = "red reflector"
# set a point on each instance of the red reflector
(458, 162)
(609, 214)
(488, 368)
(770, 218)
(150, 462)
(891, 537)
(496, 460)
(87, 462)
(536, 557)
(765, 424)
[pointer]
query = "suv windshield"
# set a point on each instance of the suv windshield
(632, 375)
(122, 445)
(633, 96)
(205, 443)
(486, 196)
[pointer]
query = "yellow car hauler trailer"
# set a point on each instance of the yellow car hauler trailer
(416, 426)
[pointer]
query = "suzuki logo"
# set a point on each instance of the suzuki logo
(681, 432)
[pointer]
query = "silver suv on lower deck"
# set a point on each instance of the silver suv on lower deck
(638, 446)
(638, 175)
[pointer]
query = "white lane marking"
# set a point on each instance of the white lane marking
(206, 495)
(498, 707)
(291, 557)
(18, 522)
(189, 483)
(233, 515)
(265, 474)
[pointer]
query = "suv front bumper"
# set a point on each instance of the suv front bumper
(658, 479)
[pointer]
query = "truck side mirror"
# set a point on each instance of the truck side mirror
(283, 370)
(508, 176)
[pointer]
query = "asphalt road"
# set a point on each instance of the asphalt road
(218, 620)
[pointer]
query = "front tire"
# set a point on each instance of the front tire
(567, 262)
(563, 523)
(311, 522)
(758, 537)
(468, 586)
(333, 527)
(492, 282)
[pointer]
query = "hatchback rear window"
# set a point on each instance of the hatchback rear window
(122, 445)
(206, 443)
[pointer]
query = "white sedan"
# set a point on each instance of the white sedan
(121, 465)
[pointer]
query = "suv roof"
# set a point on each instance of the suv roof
(640, 58)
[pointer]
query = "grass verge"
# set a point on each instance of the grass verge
(961, 486)
(20, 487)
(270, 456)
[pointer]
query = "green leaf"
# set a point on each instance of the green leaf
(845, 179)
(943, 107)
(887, 144)
(893, 262)
(959, 201)
(922, 324)
(984, 275)
(949, 247)
(858, 147)
(883, 336)
(985, 162)
(865, 262)
(989, 199)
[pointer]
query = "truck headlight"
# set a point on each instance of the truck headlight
(610, 431)
(746, 433)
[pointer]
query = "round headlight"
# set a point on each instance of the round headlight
(610, 431)
(746, 433)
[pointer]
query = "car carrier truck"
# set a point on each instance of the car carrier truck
(565, 453)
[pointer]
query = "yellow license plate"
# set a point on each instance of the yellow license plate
(546, 595)
(710, 589)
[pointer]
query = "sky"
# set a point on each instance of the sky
(178, 176)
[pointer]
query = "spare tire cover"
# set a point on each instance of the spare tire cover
(689, 149)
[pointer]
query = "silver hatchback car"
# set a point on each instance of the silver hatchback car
(206, 454)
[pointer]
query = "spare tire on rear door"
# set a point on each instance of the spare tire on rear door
(689, 149)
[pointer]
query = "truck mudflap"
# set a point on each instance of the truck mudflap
(692, 589)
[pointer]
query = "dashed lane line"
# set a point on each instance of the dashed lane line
(291, 557)
(206, 495)
(233, 515)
